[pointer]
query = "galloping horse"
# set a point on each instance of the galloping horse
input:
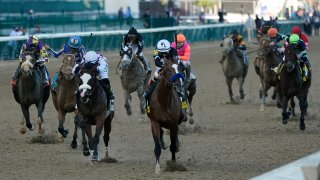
(165, 109)
(30, 90)
(133, 78)
(267, 60)
(92, 110)
(291, 85)
(63, 96)
(233, 67)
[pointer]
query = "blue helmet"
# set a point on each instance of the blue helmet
(74, 41)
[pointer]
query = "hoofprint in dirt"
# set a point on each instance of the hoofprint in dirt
(237, 141)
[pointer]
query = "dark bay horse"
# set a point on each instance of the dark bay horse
(267, 61)
(92, 110)
(30, 90)
(133, 78)
(165, 109)
(63, 97)
(291, 85)
(233, 67)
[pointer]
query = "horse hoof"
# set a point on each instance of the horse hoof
(285, 121)
(63, 132)
(42, 131)
(94, 159)
(302, 126)
(242, 96)
(129, 113)
(191, 120)
(74, 144)
(30, 126)
(86, 152)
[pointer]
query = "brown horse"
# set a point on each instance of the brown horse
(291, 85)
(29, 90)
(92, 110)
(63, 96)
(165, 109)
(267, 61)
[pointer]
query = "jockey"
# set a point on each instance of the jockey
(184, 52)
(73, 46)
(275, 36)
(163, 51)
(134, 39)
(240, 47)
(93, 57)
(303, 36)
(301, 51)
(38, 48)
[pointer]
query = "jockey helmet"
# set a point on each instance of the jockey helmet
(132, 34)
(91, 57)
(163, 45)
(296, 30)
(33, 39)
(294, 39)
(272, 32)
(181, 38)
(74, 42)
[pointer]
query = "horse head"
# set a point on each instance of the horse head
(265, 48)
(88, 81)
(291, 58)
(127, 56)
(228, 45)
(171, 73)
(67, 66)
(27, 64)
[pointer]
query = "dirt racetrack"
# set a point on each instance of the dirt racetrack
(236, 142)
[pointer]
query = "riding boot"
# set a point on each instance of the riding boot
(147, 90)
(146, 64)
(54, 83)
(15, 76)
(44, 74)
(107, 87)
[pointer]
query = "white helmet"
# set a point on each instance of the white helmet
(163, 45)
(91, 57)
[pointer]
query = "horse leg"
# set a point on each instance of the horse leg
(274, 94)
(175, 144)
(62, 116)
(285, 114)
(142, 99)
(74, 143)
(229, 83)
(100, 122)
(26, 115)
(265, 88)
(192, 92)
(303, 109)
(83, 125)
(40, 107)
(127, 104)
(106, 136)
(293, 104)
(241, 82)
(155, 127)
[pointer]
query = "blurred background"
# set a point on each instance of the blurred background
(24, 17)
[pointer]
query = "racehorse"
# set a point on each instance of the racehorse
(291, 85)
(233, 67)
(92, 109)
(165, 109)
(267, 61)
(63, 96)
(133, 78)
(30, 90)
